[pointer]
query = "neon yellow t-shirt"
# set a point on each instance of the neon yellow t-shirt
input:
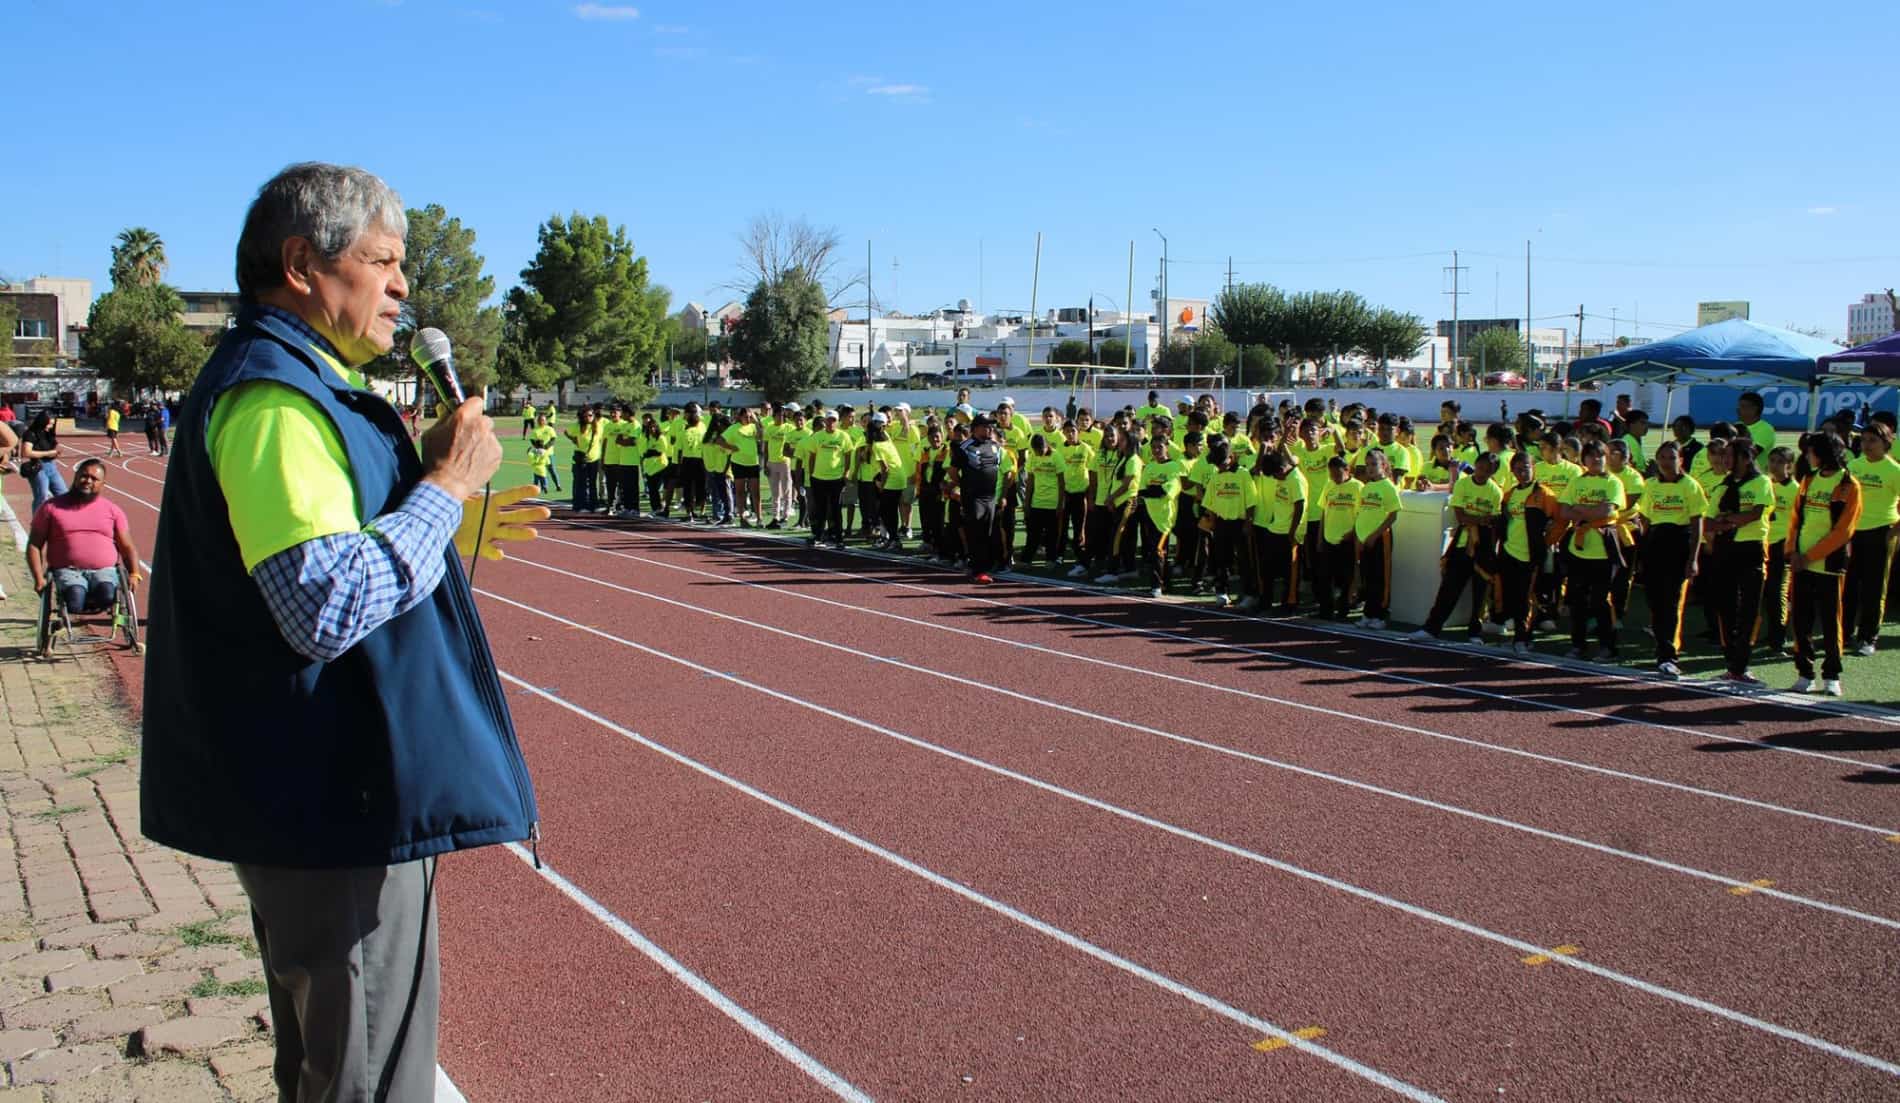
(281, 464)
(1228, 495)
(1292, 491)
(587, 442)
(1480, 501)
(1879, 491)
(1340, 503)
(745, 440)
(112, 420)
(1787, 504)
(1517, 532)
(830, 454)
(1557, 477)
(1167, 475)
(1378, 500)
(1076, 458)
(886, 457)
(1045, 476)
(1591, 490)
(1757, 491)
(1673, 503)
(1817, 515)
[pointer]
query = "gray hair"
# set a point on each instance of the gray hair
(328, 205)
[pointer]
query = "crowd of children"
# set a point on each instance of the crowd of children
(1290, 509)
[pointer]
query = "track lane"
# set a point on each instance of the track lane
(1063, 883)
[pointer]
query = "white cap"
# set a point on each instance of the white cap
(1008, 401)
(1187, 400)
(965, 409)
(879, 419)
(904, 406)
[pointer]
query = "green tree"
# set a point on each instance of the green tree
(1390, 335)
(1069, 351)
(583, 313)
(1112, 353)
(781, 343)
(1211, 353)
(1251, 314)
(1494, 350)
(691, 348)
(138, 258)
(1320, 324)
(446, 292)
(136, 338)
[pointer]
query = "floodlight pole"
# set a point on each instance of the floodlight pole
(1164, 291)
(1035, 278)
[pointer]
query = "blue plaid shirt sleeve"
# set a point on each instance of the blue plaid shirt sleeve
(328, 593)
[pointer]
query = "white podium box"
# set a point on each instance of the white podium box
(1418, 540)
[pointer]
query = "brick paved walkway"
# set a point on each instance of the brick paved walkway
(127, 971)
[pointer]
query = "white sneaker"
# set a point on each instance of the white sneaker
(1078, 571)
(1421, 635)
(1672, 672)
(1107, 579)
(1831, 687)
(1366, 622)
(1222, 601)
(1379, 624)
(1802, 685)
(1865, 650)
(1546, 625)
(1155, 592)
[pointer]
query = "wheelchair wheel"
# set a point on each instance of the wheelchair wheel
(125, 619)
(43, 638)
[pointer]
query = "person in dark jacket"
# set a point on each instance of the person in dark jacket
(978, 464)
(321, 706)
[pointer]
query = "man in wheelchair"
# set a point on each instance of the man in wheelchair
(77, 543)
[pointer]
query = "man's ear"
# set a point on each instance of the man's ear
(299, 261)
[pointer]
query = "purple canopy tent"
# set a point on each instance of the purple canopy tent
(1875, 360)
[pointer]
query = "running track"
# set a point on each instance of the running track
(820, 825)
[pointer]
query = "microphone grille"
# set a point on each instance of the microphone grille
(431, 346)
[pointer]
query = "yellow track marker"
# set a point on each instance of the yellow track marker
(1566, 950)
(1893, 838)
(1744, 890)
(1305, 1034)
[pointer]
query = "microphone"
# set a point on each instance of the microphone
(430, 351)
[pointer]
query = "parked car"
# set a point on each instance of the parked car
(1505, 379)
(1360, 379)
(1049, 377)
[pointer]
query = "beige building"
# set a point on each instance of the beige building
(209, 311)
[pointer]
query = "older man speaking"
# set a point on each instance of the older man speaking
(321, 708)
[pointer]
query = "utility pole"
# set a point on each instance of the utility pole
(864, 355)
(1035, 280)
(1164, 292)
(1230, 273)
(1579, 349)
(1530, 358)
(1455, 269)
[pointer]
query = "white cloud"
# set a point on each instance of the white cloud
(614, 12)
(897, 90)
(1821, 210)
(668, 28)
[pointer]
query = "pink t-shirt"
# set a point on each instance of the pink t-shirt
(79, 533)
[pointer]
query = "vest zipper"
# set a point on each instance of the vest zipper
(490, 689)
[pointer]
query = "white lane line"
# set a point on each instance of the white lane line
(1246, 756)
(1073, 942)
(700, 986)
(1257, 652)
(1265, 698)
(1358, 892)
(445, 1089)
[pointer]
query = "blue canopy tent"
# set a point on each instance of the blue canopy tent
(1736, 352)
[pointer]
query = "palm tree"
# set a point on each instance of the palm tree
(138, 258)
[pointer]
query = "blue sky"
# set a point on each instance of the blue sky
(1656, 154)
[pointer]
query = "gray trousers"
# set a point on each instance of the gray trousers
(350, 959)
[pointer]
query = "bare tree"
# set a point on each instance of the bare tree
(773, 246)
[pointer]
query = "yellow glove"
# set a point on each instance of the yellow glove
(503, 523)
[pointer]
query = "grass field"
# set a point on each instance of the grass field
(1874, 680)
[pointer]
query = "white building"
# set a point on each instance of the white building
(75, 306)
(1870, 319)
(961, 340)
(1550, 351)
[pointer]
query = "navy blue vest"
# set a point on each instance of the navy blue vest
(399, 749)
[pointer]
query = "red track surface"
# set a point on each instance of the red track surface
(1029, 842)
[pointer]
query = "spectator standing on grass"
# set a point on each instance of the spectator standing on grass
(1817, 558)
(1738, 523)
(39, 458)
(1673, 510)
(1871, 553)
(1748, 409)
(1339, 508)
(1524, 522)
(978, 466)
(1471, 559)
(1590, 505)
(588, 440)
(827, 453)
(1774, 597)
(321, 708)
(1376, 512)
